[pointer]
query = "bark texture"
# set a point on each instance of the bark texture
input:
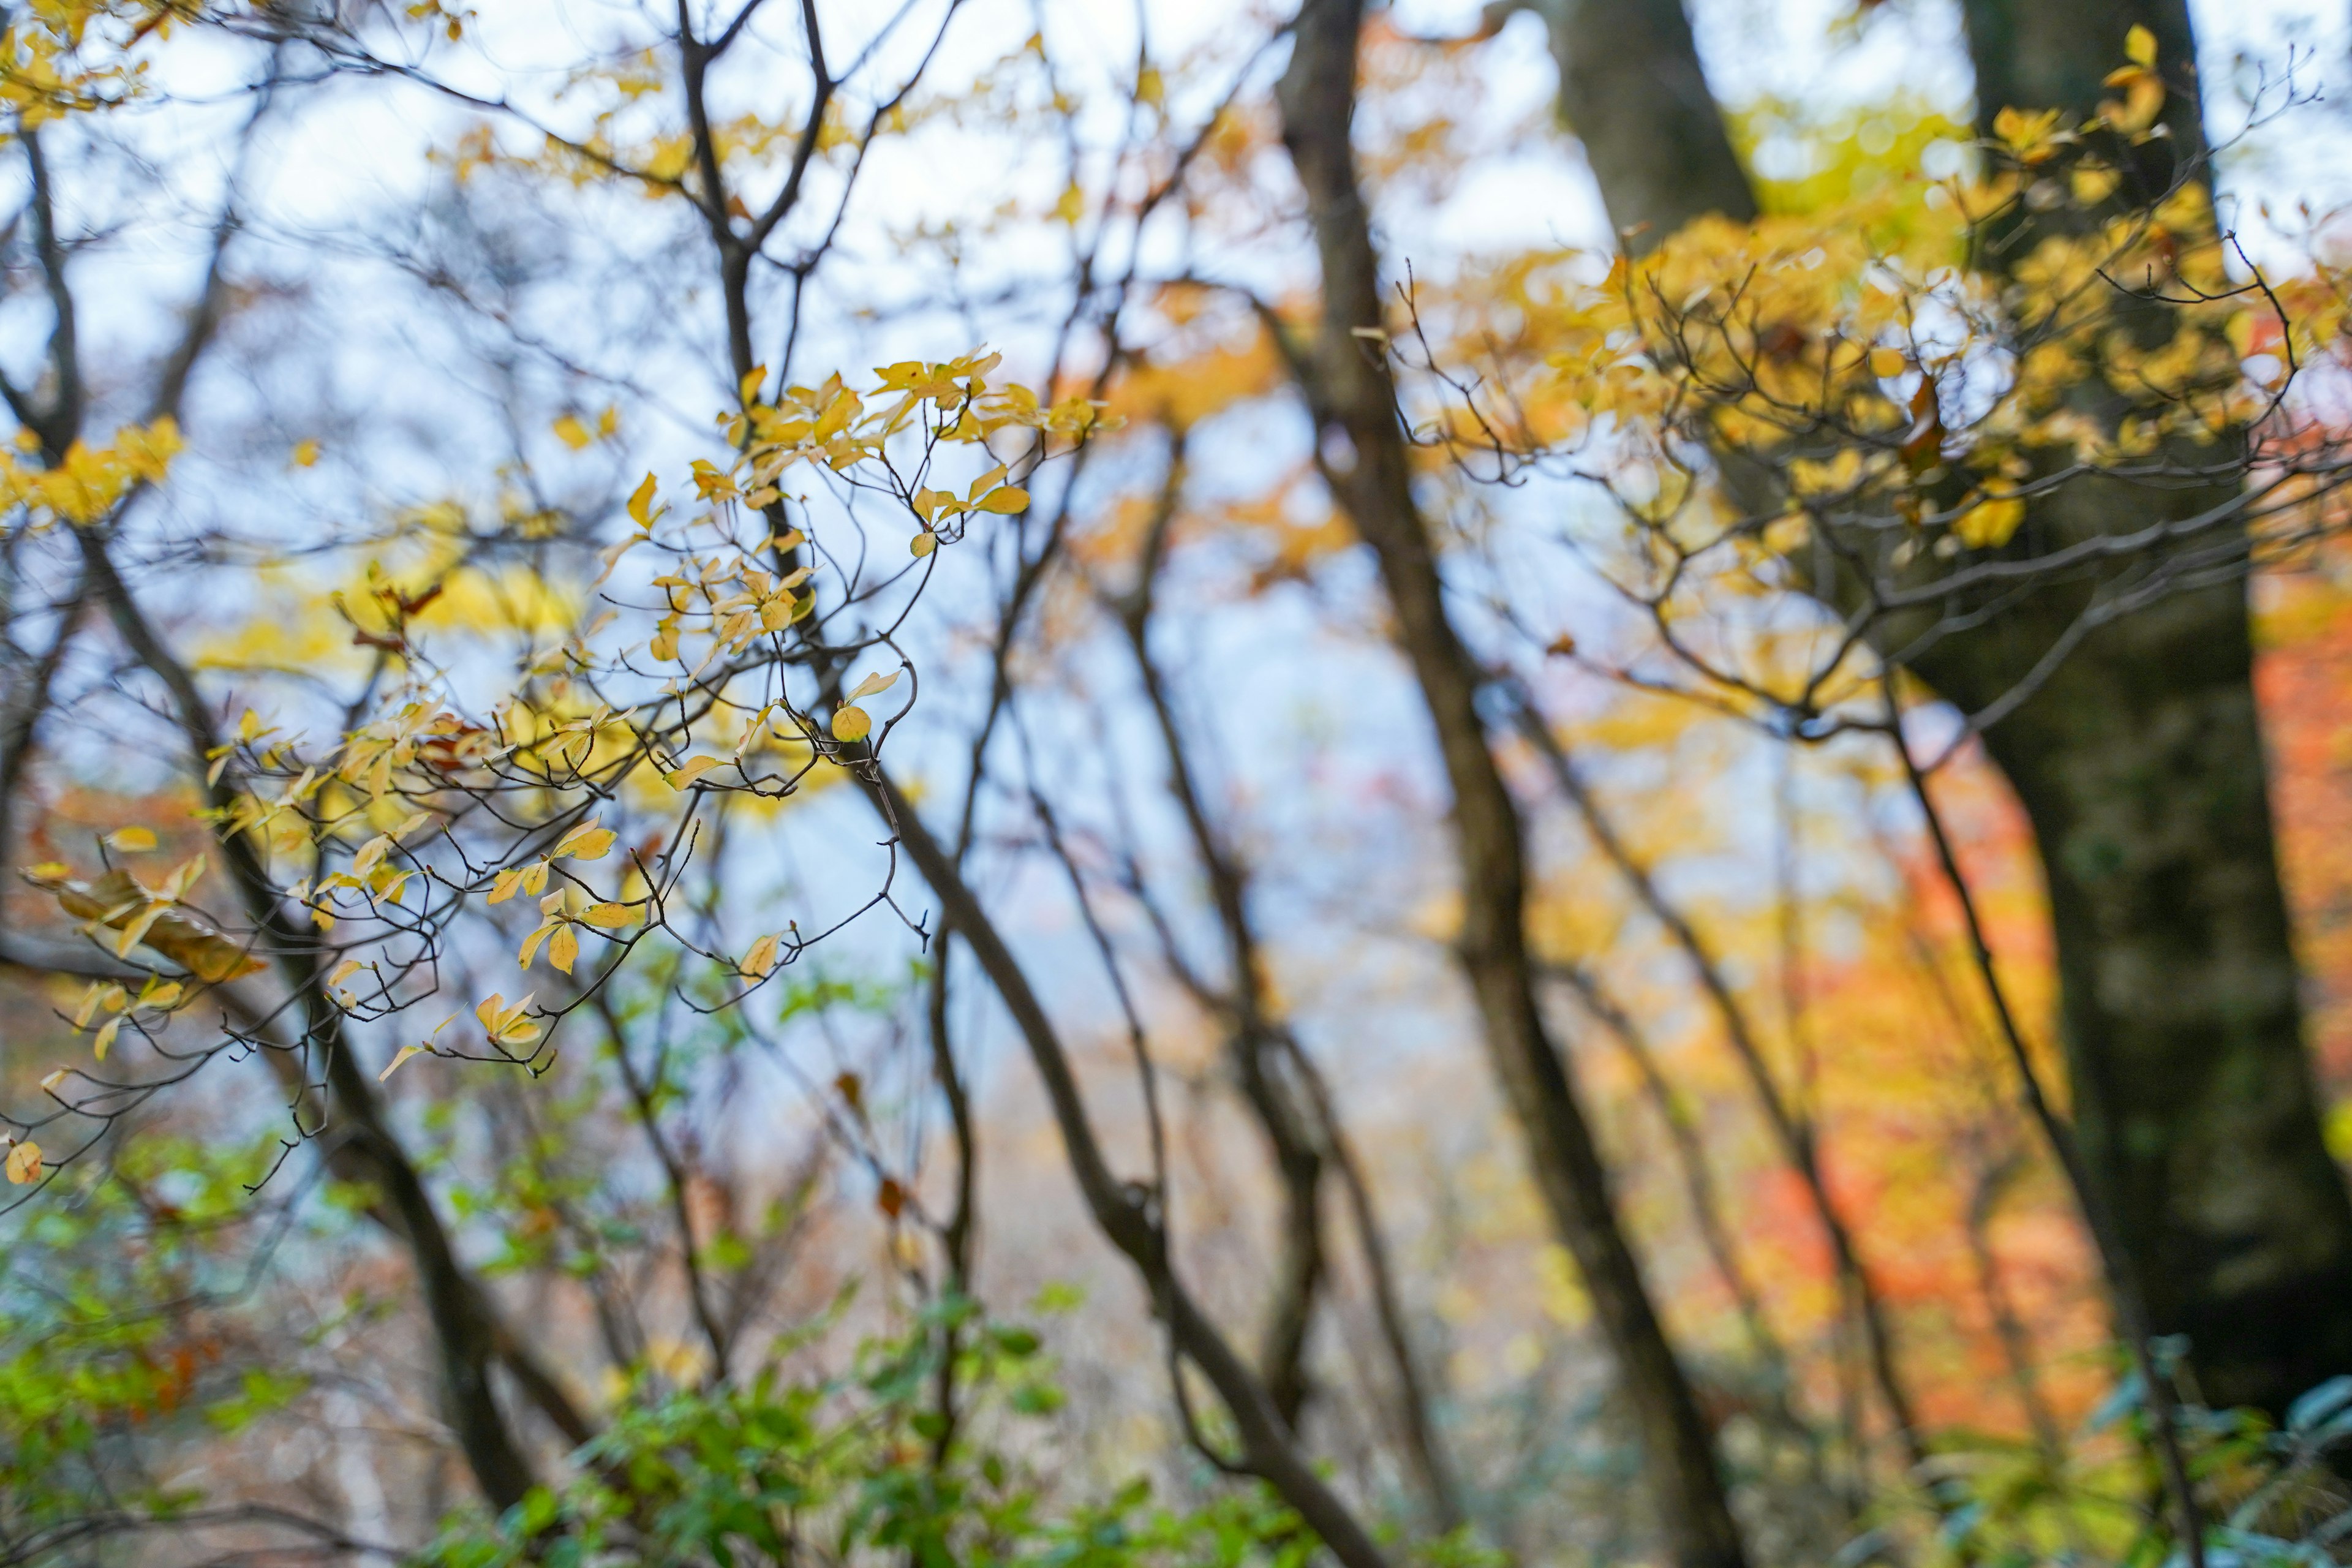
(1348, 389)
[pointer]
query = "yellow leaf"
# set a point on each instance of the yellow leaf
(1012, 498)
(610, 915)
(371, 855)
(641, 504)
(565, 950)
(507, 1025)
(874, 683)
(530, 943)
(105, 1040)
(136, 930)
(401, 1056)
(573, 433)
(922, 545)
(25, 1163)
(1885, 363)
(305, 454)
(2093, 183)
(2027, 135)
(851, 724)
(759, 960)
(585, 842)
(508, 883)
(683, 776)
(159, 993)
(183, 877)
(534, 877)
(116, 899)
(100, 995)
(131, 840)
(1988, 524)
(55, 1077)
(2139, 48)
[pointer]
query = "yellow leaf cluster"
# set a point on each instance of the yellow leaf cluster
(87, 482)
(136, 914)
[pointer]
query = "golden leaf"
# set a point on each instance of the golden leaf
(117, 900)
(1988, 524)
(586, 842)
(401, 1056)
(129, 840)
(683, 776)
(563, 951)
(370, 853)
(760, 959)
(851, 724)
(100, 995)
(505, 1024)
(25, 1163)
(183, 877)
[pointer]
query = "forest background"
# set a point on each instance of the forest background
(627, 628)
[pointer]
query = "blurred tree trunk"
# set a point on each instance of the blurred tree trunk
(2139, 763)
(2141, 766)
(1632, 92)
(1365, 460)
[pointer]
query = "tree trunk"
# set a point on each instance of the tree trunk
(2141, 768)
(2140, 765)
(1631, 91)
(1348, 391)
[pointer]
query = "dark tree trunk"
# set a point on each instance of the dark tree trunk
(2139, 763)
(1631, 91)
(1348, 389)
(2141, 766)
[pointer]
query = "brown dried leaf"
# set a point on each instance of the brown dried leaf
(117, 901)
